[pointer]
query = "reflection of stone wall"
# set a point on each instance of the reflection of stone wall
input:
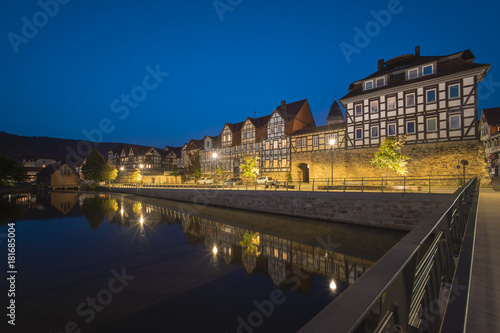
(435, 159)
(389, 210)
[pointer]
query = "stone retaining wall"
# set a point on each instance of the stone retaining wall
(429, 159)
(387, 210)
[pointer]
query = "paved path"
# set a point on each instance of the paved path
(484, 302)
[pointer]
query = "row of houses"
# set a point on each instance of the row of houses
(430, 99)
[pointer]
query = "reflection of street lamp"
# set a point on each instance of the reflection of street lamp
(332, 143)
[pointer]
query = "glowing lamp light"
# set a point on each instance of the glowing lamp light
(121, 211)
(332, 142)
(214, 155)
(141, 220)
(141, 166)
(121, 168)
(333, 285)
(214, 250)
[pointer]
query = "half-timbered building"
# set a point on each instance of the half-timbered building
(285, 120)
(428, 98)
(489, 126)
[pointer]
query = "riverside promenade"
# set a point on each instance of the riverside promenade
(484, 298)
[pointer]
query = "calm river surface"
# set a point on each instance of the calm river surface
(93, 262)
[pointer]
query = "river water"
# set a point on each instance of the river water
(95, 262)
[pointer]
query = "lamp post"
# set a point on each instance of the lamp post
(214, 156)
(332, 143)
(140, 167)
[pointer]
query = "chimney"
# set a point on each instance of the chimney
(283, 103)
(417, 51)
(380, 64)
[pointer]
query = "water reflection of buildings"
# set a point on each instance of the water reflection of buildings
(275, 256)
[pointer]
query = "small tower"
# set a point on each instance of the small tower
(335, 115)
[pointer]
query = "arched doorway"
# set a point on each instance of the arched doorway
(304, 172)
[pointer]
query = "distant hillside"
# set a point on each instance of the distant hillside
(35, 147)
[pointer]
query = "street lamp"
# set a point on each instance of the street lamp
(214, 156)
(332, 143)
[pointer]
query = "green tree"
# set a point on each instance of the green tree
(175, 171)
(94, 166)
(250, 168)
(194, 165)
(11, 170)
(137, 176)
(389, 156)
(109, 171)
(251, 243)
(221, 172)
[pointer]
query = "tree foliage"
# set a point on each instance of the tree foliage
(94, 166)
(175, 171)
(251, 243)
(389, 157)
(250, 168)
(11, 170)
(109, 171)
(137, 176)
(194, 164)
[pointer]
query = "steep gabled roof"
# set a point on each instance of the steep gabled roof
(319, 129)
(50, 169)
(289, 111)
(492, 116)
(395, 70)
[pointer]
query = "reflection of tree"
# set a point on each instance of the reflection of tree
(251, 243)
(10, 211)
(137, 207)
(96, 209)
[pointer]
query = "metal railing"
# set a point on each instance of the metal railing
(428, 184)
(407, 289)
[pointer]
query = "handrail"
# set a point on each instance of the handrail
(388, 285)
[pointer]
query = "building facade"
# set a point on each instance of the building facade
(489, 126)
(428, 98)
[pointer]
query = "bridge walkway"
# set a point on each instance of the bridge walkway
(484, 299)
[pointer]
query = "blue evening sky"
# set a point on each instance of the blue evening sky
(72, 70)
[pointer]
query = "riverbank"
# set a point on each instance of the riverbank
(398, 211)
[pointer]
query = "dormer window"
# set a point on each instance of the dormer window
(420, 71)
(375, 83)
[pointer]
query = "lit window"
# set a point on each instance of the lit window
(391, 103)
(327, 139)
(368, 85)
(268, 145)
(374, 106)
(275, 164)
(359, 134)
(275, 144)
(374, 131)
(410, 100)
(299, 141)
(358, 109)
(283, 163)
(428, 70)
(431, 125)
(454, 122)
(392, 129)
(412, 74)
(283, 143)
(431, 95)
(315, 141)
(454, 91)
(304, 142)
(410, 127)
